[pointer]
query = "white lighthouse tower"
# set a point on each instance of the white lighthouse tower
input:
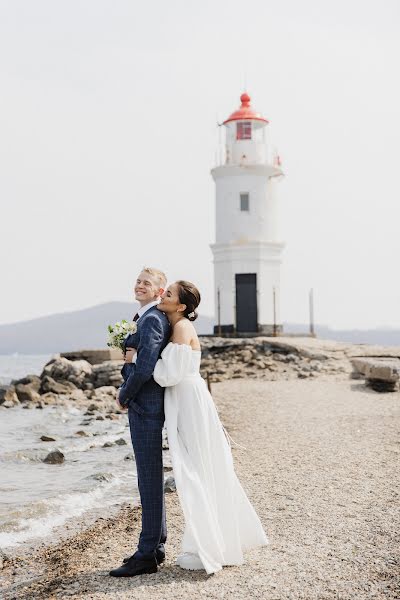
(247, 250)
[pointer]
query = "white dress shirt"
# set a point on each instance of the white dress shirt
(146, 307)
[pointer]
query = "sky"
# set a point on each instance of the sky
(108, 120)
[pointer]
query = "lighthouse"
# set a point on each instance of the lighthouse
(247, 250)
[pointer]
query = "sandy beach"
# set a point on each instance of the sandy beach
(321, 467)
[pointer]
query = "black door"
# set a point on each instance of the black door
(246, 302)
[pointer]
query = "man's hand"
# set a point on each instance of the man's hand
(129, 354)
(118, 404)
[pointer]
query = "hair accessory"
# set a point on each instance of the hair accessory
(191, 315)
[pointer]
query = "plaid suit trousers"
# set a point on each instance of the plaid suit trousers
(145, 401)
(146, 434)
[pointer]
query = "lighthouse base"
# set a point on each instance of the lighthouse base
(230, 331)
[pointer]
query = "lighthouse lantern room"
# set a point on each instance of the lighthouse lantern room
(247, 250)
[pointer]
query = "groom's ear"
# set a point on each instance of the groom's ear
(161, 291)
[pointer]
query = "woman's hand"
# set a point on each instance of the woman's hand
(129, 354)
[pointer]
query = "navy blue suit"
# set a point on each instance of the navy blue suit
(145, 401)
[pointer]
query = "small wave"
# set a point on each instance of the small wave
(24, 456)
(96, 441)
(100, 477)
(60, 510)
(74, 444)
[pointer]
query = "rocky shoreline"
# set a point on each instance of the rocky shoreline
(91, 378)
(271, 393)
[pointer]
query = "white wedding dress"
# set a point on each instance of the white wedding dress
(220, 522)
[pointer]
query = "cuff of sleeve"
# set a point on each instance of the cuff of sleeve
(121, 397)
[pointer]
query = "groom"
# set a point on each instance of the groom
(144, 399)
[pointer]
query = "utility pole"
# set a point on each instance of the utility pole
(274, 331)
(311, 306)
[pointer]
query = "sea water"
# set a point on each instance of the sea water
(39, 499)
(16, 366)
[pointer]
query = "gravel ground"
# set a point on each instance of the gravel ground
(321, 467)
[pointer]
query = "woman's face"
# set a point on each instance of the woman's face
(170, 302)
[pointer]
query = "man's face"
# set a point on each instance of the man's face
(147, 288)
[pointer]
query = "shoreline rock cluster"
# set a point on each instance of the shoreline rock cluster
(264, 358)
(63, 380)
(90, 376)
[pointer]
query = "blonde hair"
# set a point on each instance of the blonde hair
(160, 277)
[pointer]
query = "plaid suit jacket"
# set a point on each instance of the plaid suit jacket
(139, 390)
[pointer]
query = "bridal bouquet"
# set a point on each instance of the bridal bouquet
(118, 333)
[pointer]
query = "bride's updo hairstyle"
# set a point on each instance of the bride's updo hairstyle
(189, 295)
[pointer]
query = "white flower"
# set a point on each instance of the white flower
(118, 333)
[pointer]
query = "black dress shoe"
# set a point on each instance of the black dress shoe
(135, 566)
(160, 557)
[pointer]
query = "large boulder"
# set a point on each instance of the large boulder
(382, 374)
(8, 397)
(57, 387)
(77, 372)
(26, 393)
(107, 374)
(32, 380)
(388, 370)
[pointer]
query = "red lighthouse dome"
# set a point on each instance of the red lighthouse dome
(245, 112)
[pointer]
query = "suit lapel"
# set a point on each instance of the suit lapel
(132, 341)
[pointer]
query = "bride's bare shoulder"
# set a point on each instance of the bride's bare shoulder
(183, 325)
(182, 332)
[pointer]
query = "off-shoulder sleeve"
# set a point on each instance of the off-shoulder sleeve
(174, 364)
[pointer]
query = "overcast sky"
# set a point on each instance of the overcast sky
(108, 113)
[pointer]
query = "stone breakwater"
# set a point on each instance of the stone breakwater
(290, 358)
(264, 358)
(91, 378)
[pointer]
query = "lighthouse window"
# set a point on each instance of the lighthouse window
(243, 130)
(244, 202)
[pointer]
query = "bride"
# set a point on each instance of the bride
(220, 522)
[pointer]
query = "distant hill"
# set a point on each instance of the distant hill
(87, 328)
(63, 332)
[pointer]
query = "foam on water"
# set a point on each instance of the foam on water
(37, 497)
(61, 509)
